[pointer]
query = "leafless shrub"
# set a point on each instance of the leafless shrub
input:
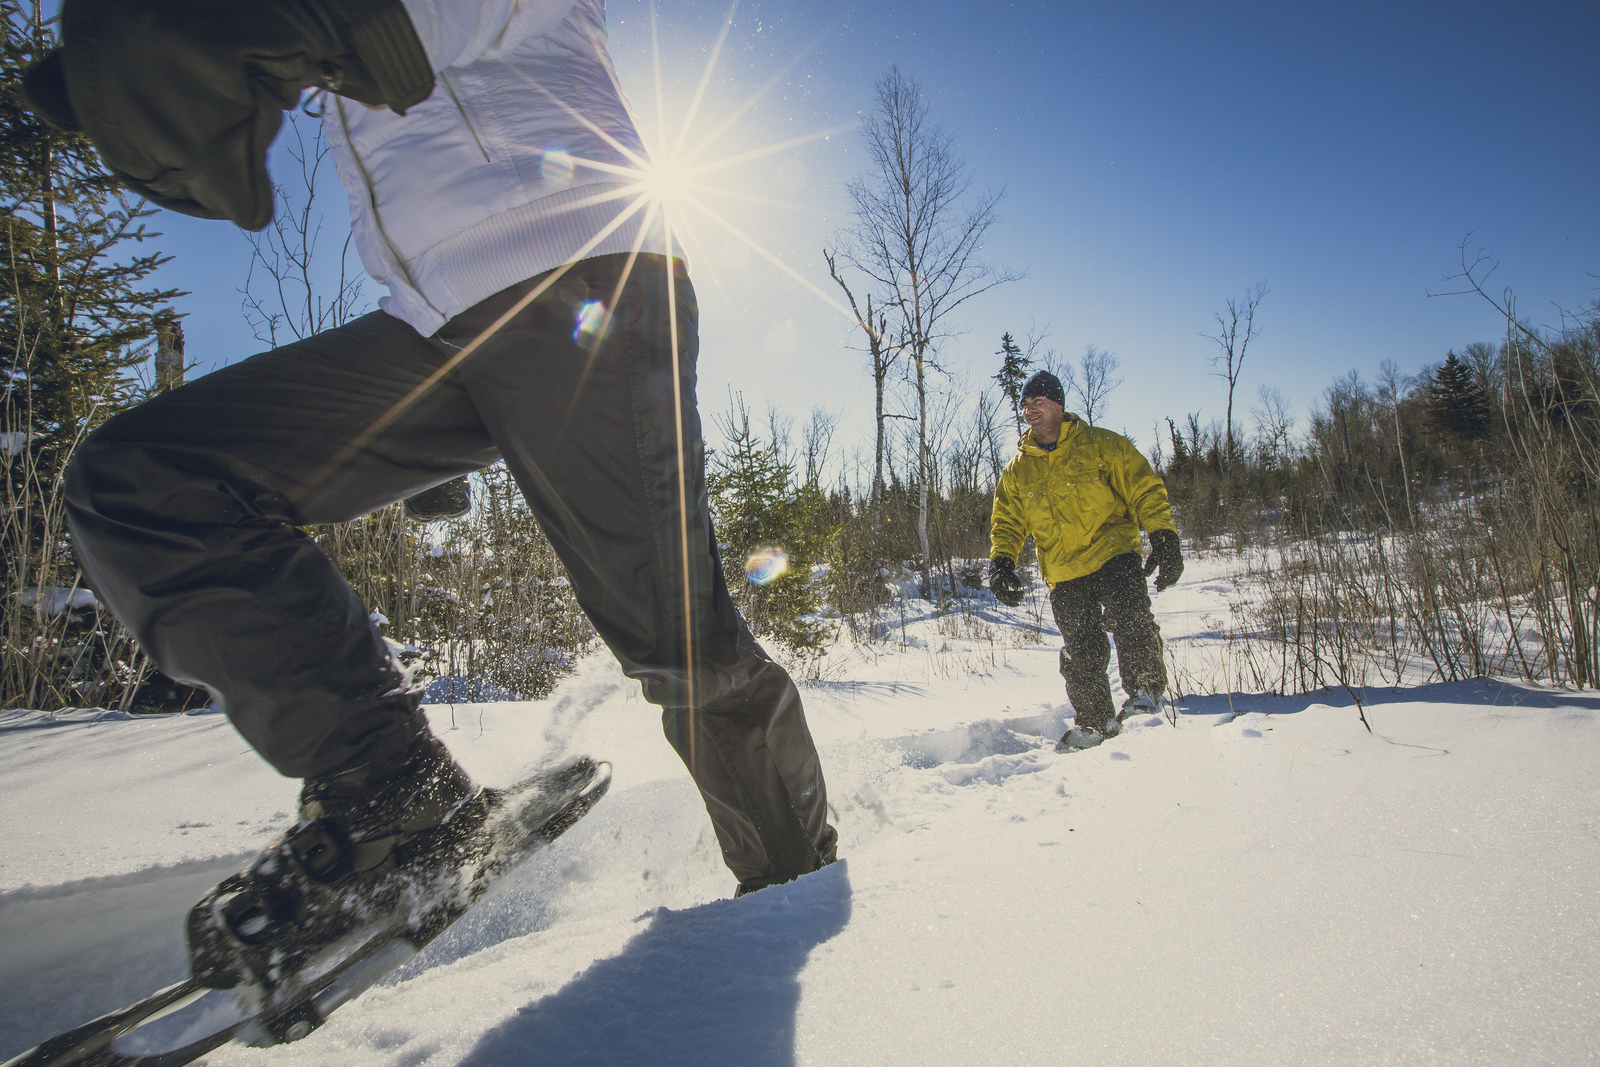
(1497, 580)
(485, 602)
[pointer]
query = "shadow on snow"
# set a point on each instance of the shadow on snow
(1480, 692)
(712, 985)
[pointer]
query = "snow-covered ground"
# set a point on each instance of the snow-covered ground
(1265, 882)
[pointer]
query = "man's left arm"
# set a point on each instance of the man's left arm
(1141, 488)
(1146, 496)
(182, 98)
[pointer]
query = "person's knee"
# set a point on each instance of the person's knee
(762, 687)
(1127, 608)
(1087, 645)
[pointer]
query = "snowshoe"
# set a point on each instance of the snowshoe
(1080, 737)
(306, 929)
(451, 500)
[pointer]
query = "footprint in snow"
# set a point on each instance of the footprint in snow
(986, 751)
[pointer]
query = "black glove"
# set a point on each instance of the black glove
(1166, 553)
(182, 97)
(1004, 581)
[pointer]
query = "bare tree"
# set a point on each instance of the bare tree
(780, 432)
(1094, 382)
(1274, 422)
(919, 238)
(816, 444)
(883, 351)
(988, 417)
(1236, 329)
(1391, 385)
(299, 294)
(1049, 359)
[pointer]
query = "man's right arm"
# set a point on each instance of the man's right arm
(1008, 530)
(183, 97)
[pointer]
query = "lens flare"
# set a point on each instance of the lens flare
(586, 324)
(556, 165)
(766, 565)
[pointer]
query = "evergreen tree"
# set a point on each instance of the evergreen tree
(74, 316)
(1457, 404)
(760, 511)
(1013, 374)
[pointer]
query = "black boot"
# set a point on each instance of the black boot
(370, 838)
(377, 809)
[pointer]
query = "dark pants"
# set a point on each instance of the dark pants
(184, 514)
(1113, 598)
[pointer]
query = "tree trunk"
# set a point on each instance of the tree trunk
(880, 371)
(922, 478)
(169, 358)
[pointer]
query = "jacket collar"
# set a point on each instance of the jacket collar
(1070, 429)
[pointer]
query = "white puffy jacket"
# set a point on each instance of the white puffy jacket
(485, 183)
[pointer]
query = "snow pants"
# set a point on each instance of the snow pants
(1113, 598)
(184, 514)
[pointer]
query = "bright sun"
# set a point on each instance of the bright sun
(667, 180)
(670, 188)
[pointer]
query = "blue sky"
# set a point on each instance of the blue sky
(1156, 158)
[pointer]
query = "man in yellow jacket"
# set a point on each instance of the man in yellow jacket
(1083, 493)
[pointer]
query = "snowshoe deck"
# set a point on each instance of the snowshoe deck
(183, 1022)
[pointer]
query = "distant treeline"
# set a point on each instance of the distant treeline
(1440, 526)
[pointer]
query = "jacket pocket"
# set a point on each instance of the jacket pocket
(1088, 501)
(466, 119)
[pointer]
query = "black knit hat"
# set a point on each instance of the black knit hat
(1046, 385)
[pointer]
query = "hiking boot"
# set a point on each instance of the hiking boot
(378, 809)
(369, 837)
(1141, 703)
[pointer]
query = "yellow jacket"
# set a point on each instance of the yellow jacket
(1083, 503)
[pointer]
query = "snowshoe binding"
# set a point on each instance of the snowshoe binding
(366, 840)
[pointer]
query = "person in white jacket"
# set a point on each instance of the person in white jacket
(536, 314)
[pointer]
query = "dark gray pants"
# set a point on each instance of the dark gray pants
(183, 514)
(1113, 598)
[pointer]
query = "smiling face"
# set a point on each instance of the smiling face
(1044, 417)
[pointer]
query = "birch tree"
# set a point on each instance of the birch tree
(916, 233)
(1236, 328)
(882, 350)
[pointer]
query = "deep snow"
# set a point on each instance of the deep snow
(1265, 882)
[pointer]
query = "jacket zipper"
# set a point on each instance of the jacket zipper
(444, 80)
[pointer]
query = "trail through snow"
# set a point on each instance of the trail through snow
(1264, 883)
